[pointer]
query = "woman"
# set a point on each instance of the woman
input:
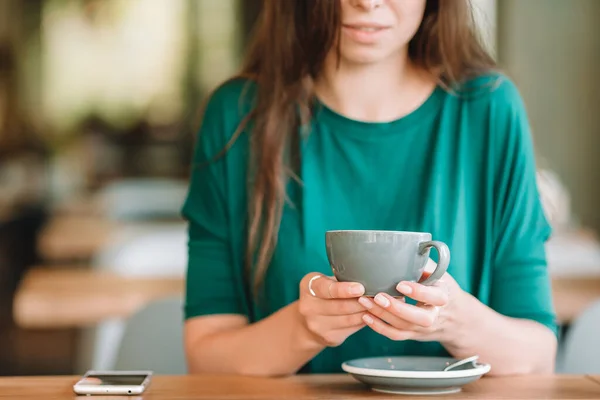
(356, 114)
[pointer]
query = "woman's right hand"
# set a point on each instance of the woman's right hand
(333, 313)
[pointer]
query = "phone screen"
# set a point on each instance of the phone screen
(113, 380)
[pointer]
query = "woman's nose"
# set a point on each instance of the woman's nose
(367, 4)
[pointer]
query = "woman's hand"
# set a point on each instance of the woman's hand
(333, 313)
(429, 320)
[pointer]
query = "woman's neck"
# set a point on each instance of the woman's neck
(373, 92)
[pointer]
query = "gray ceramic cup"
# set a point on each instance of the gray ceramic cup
(379, 260)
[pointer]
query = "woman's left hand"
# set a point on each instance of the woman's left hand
(429, 320)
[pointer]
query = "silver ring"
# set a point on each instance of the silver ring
(310, 289)
(375, 3)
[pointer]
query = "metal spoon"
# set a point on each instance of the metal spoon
(461, 362)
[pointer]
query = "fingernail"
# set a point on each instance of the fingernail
(404, 288)
(367, 319)
(382, 300)
(356, 289)
(365, 302)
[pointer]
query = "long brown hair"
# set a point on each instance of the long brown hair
(290, 43)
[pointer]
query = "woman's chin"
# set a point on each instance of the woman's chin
(364, 57)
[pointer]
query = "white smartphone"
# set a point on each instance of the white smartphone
(113, 382)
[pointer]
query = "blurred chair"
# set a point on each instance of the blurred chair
(98, 345)
(145, 199)
(580, 349)
(158, 252)
(153, 339)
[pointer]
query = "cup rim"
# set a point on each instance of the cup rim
(377, 231)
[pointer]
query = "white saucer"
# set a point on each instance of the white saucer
(414, 375)
(417, 392)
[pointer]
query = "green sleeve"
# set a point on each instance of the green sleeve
(521, 286)
(213, 281)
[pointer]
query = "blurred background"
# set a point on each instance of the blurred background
(99, 105)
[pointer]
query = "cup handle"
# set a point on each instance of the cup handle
(444, 260)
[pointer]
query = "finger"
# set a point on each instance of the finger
(339, 306)
(343, 321)
(423, 315)
(385, 315)
(327, 288)
(435, 295)
(387, 330)
(326, 327)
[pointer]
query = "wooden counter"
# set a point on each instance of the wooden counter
(215, 387)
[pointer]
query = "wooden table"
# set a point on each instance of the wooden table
(595, 378)
(314, 387)
(78, 237)
(51, 297)
(74, 237)
(573, 295)
(67, 297)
